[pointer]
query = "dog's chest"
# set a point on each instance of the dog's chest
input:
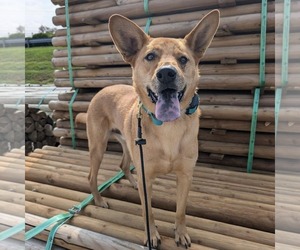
(171, 146)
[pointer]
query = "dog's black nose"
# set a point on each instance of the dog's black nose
(166, 75)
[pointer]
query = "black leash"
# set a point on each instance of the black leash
(140, 142)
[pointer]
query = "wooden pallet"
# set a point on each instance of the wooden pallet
(226, 209)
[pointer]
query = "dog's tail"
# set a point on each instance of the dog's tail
(81, 118)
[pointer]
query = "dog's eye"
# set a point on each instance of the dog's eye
(183, 60)
(150, 57)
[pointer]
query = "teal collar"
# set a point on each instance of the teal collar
(152, 116)
(189, 111)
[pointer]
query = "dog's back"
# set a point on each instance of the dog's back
(112, 103)
(113, 96)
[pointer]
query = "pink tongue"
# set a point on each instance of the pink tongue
(167, 106)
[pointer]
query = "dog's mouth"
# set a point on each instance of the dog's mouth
(167, 103)
(154, 97)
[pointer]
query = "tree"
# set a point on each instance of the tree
(43, 29)
(19, 34)
(44, 32)
(20, 29)
(40, 35)
(16, 35)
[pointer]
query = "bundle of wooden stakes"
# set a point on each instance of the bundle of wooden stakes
(222, 211)
(229, 70)
(11, 128)
(38, 129)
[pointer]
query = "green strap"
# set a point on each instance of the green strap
(44, 96)
(149, 20)
(60, 219)
(71, 79)
(36, 230)
(262, 81)
(263, 38)
(53, 231)
(278, 95)
(72, 119)
(284, 59)
(19, 101)
(253, 130)
(12, 231)
(148, 24)
(285, 43)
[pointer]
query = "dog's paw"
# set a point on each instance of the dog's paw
(134, 185)
(132, 180)
(155, 239)
(100, 202)
(182, 237)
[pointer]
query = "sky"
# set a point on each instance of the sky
(29, 13)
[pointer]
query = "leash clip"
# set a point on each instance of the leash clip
(140, 140)
(139, 114)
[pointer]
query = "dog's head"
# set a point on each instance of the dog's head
(165, 70)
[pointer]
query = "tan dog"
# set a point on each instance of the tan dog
(165, 78)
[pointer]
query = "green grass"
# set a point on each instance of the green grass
(31, 65)
(38, 66)
(12, 65)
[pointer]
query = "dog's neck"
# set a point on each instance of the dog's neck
(191, 109)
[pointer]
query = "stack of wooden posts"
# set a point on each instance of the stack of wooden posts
(36, 96)
(11, 128)
(287, 137)
(38, 129)
(225, 210)
(12, 196)
(229, 70)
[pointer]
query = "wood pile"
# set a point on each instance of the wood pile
(25, 118)
(288, 139)
(40, 96)
(11, 128)
(38, 129)
(226, 209)
(229, 70)
(12, 197)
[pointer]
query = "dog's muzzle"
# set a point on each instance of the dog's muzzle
(167, 82)
(168, 96)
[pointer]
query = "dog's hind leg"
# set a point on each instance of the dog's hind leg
(98, 134)
(126, 159)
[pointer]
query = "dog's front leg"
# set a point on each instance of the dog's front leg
(155, 238)
(184, 181)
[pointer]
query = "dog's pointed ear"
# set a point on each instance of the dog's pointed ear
(128, 37)
(199, 39)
